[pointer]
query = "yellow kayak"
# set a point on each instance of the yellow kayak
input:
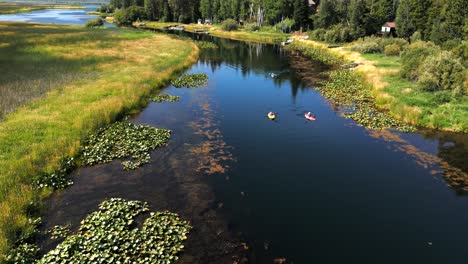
(271, 115)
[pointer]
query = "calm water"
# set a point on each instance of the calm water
(55, 16)
(327, 191)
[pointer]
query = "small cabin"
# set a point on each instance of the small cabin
(388, 27)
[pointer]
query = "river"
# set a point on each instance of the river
(327, 191)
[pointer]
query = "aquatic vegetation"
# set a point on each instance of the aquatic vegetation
(347, 90)
(206, 45)
(109, 235)
(165, 98)
(25, 253)
(58, 179)
(190, 80)
(317, 52)
(59, 231)
(69, 82)
(123, 140)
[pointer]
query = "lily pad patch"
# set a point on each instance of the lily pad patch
(110, 235)
(123, 140)
(190, 80)
(165, 98)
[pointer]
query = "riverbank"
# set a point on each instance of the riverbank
(103, 74)
(13, 8)
(391, 93)
(215, 30)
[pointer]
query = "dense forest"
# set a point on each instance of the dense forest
(435, 20)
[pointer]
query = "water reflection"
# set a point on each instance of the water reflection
(271, 61)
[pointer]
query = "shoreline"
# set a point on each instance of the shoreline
(259, 36)
(378, 80)
(75, 112)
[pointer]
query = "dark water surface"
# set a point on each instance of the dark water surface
(327, 191)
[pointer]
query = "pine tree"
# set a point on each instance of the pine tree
(301, 13)
(327, 15)
(456, 13)
(205, 9)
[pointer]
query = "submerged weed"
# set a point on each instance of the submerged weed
(190, 80)
(123, 140)
(165, 98)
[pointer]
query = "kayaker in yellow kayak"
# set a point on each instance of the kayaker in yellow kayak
(271, 115)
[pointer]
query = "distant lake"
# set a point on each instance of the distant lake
(55, 16)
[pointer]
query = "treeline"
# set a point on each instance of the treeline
(436, 20)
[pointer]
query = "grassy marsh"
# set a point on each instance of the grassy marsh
(90, 78)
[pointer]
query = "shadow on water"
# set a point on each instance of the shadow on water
(304, 192)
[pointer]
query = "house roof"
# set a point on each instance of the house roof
(390, 24)
(312, 2)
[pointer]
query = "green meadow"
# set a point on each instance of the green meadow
(61, 84)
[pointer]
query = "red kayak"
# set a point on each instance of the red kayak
(309, 116)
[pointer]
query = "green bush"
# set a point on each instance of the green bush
(461, 51)
(318, 34)
(392, 50)
(106, 8)
(229, 25)
(416, 36)
(97, 22)
(251, 27)
(442, 71)
(335, 34)
(367, 47)
(286, 25)
(413, 56)
(129, 15)
(383, 42)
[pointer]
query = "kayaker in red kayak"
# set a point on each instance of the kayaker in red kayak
(309, 116)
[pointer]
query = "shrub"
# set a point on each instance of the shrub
(332, 35)
(286, 25)
(106, 8)
(441, 71)
(367, 47)
(461, 51)
(229, 25)
(251, 27)
(337, 33)
(392, 50)
(97, 22)
(416, 36)
(318, 34)
(402, 43)
(129, 15)
(413, 56)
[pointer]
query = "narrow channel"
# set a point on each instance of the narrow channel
(326, 191)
